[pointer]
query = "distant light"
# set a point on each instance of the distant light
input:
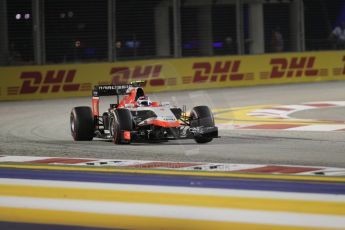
(217, 44)
(27, 16)
(70, 14)
(191, 45)
(132, 44)
(18, 16)
(62, 15)
(118, 44)
(77, 44)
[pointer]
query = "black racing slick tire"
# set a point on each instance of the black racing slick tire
(202, 116)
(82, 123)
(120, 120)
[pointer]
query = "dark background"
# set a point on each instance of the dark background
(82, 36)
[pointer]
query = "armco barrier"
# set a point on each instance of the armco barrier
(70, 80)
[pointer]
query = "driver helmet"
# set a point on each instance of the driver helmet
(144, 101)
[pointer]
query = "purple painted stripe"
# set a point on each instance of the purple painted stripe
(186, 181)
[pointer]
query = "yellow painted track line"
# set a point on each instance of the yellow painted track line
(180, 173)
(240, 116)
(126, 222)
(262, 204)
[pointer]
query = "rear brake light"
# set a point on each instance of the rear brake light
(127, 135)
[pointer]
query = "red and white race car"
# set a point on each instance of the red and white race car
(136, 117)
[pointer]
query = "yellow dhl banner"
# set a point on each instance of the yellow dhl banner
(70, 80)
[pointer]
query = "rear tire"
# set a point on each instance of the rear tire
(202, 116)
(82, 123)
(121, 119)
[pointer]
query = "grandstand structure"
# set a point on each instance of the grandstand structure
(36, 32)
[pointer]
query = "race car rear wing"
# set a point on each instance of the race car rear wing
(114, 90)
(110, 90)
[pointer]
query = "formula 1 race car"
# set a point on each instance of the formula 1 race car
(136, 117)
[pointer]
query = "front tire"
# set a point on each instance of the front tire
(202, 116)
(82, 123)
(120, 120)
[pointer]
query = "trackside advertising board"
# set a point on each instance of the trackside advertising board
(71, 80)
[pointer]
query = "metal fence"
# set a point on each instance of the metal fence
(69, 31)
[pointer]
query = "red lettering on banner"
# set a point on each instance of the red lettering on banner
(202, 71)
(236, 76)
(69, 79)
(151, 73)
(219, 71)
(142, 73)
(30, 77)
(120, 75)
(155, 80)
(279, 67)
(298, 65)
(53, 81)
(309, 71)
(156, 71)
(293, 67)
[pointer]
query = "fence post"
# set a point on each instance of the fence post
(38, 31)
(4, 52)
(239, 27)
(111, 30)
(177, 28)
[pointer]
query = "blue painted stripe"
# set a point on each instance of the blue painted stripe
(164, 180)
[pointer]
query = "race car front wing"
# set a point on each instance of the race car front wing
(204, 131)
